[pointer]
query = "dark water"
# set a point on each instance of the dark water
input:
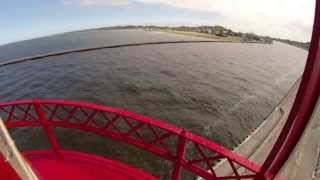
(219, 90)
(83, 39)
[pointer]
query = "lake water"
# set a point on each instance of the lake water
(218, 90)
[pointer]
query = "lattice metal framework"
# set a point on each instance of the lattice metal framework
(184, 149)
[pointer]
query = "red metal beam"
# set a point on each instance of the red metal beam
(47, 129)
(302, 109)
(176, 174)
(48, 117)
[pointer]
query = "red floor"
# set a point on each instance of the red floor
(78, 166)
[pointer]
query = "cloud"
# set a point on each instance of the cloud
(269, 17)
(96, 2)
(284, 18)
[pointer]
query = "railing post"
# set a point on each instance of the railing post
(179, 156)
(47, 129)
(301, 110)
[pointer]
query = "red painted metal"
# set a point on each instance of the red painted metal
(49, 114)
(6, 171)
(180, 154)
(109, 122)
(47, 128)
(74, 165)
(302, 109)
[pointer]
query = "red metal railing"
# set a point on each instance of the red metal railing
(164, 140)
(301, 110)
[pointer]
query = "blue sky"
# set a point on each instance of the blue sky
(26, 19)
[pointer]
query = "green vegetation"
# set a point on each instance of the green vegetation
(217, 32)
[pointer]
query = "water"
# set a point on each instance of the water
(218, 90)
(83, 39)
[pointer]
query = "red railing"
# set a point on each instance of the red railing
(186, 150)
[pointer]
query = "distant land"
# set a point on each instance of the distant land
(303, 45)
(216, 32)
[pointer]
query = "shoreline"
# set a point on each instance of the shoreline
(231, 39)
(258, 143)
(70, 51)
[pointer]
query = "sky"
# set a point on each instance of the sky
(27, 19)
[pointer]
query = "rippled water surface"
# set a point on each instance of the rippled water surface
(219, 90)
